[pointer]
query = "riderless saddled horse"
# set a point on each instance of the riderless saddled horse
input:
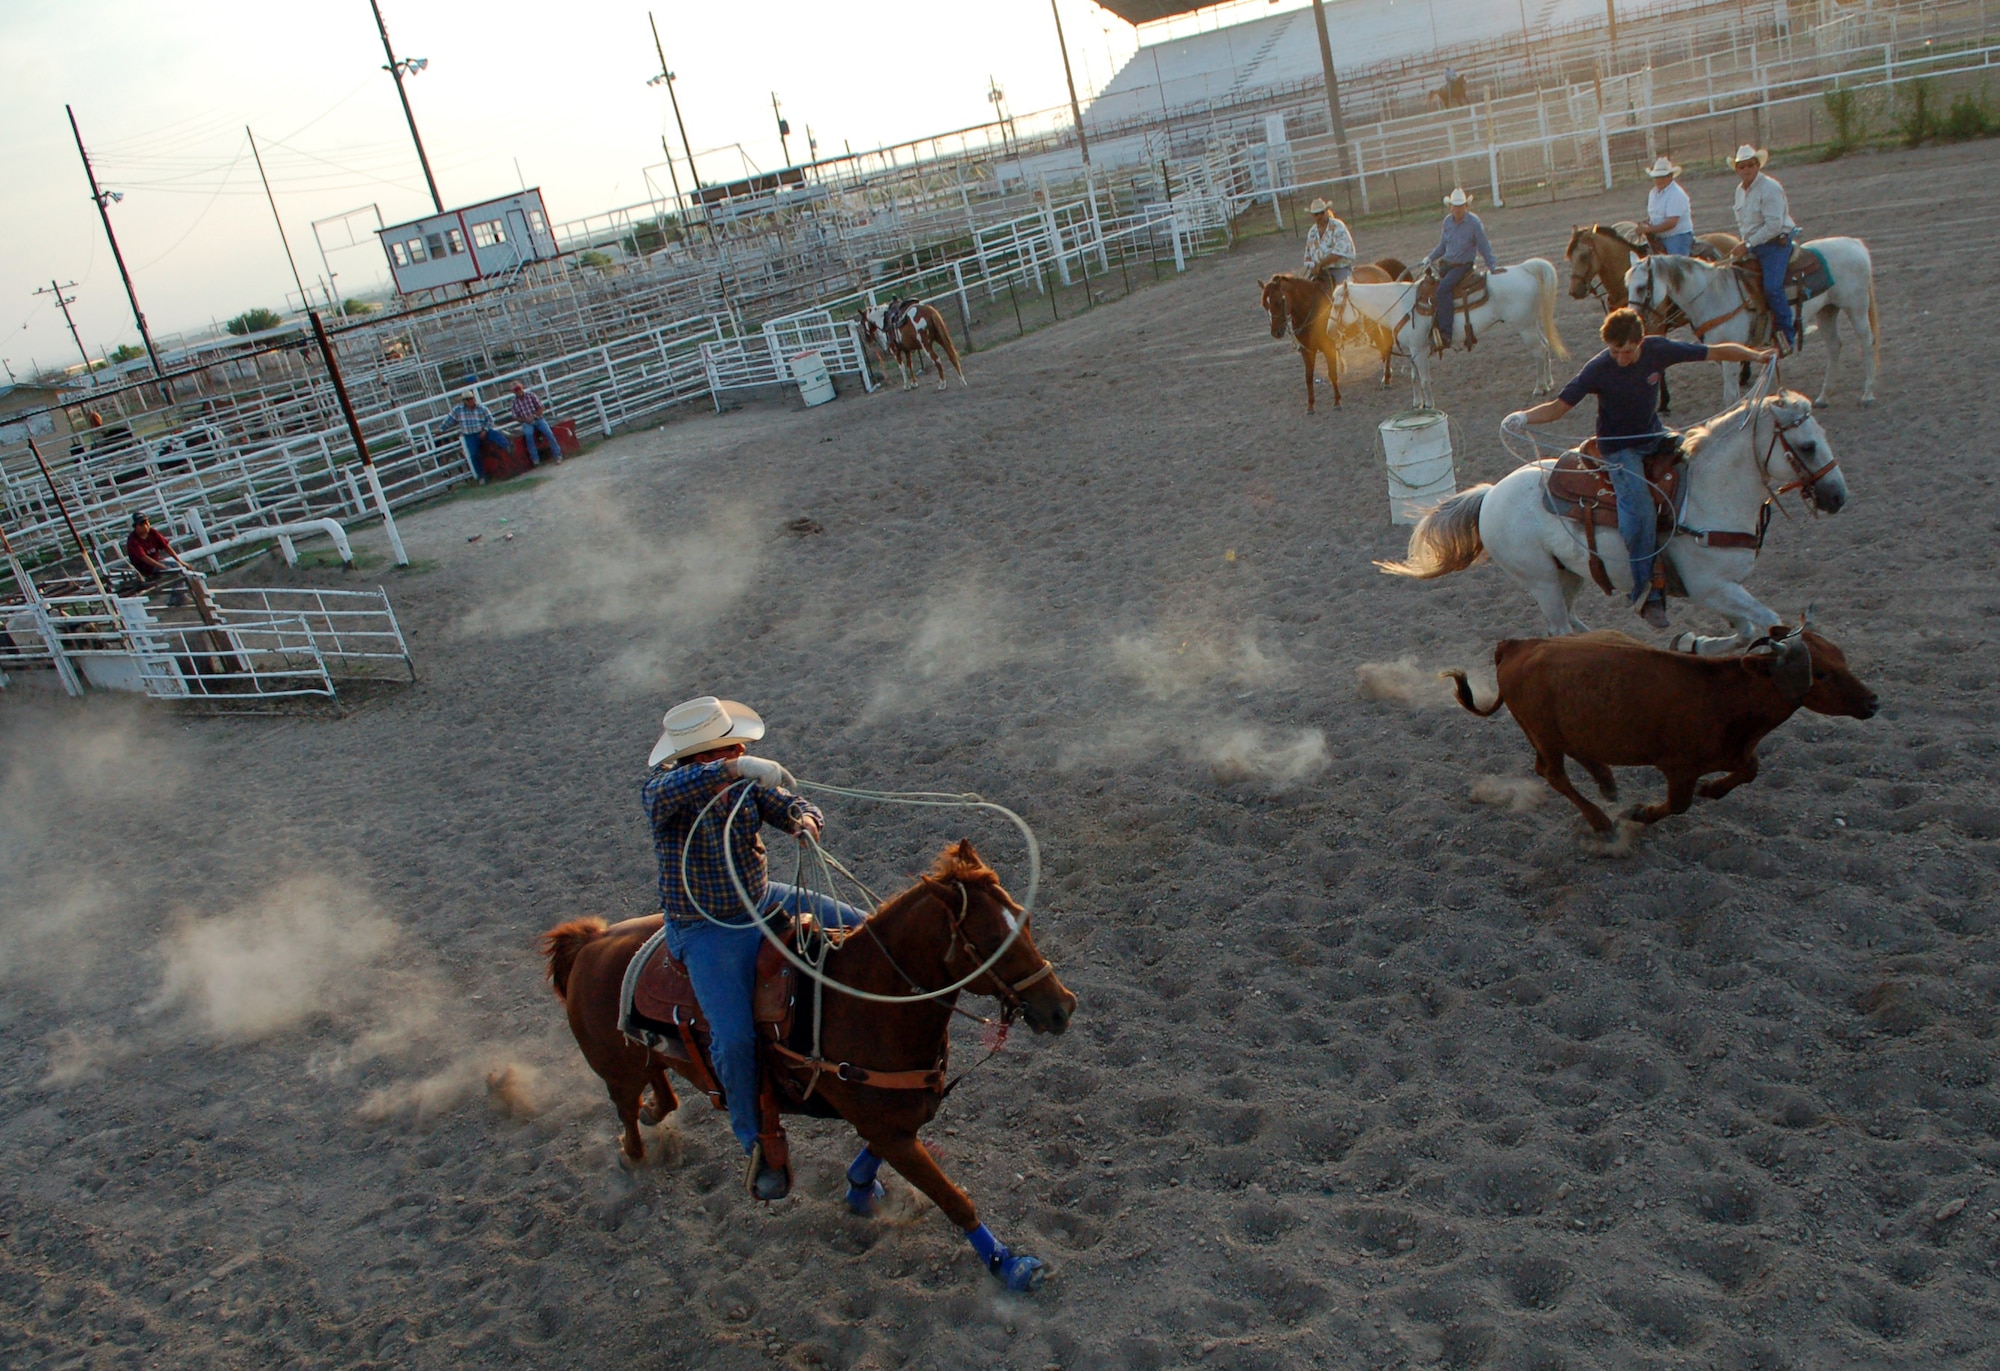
(880, 1066)
(1738, 465)
(906, 330)
(1599, 257)
(1521, 298)
(1304, 307)
(1722, 307)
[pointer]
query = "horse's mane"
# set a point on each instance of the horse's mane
(1615, 236)
(1701, 433)
(960, 862)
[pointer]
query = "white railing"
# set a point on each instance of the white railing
(346, 626)
(118, 644)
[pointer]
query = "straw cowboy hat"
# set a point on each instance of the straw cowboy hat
(1458, 197)
(1319, 207)
(1664, 167)
(703, 723)
(1746, 153)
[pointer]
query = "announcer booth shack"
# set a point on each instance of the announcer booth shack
(493, 238)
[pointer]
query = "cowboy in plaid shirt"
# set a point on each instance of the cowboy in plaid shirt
(527, 407)
(474, 423)
(700, 759)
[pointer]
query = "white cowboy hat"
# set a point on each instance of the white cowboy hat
(1458, 197)
(702, 723)
(1746, 153)
(1319, 207)
(1664, 167)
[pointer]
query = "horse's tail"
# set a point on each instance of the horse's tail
(1444, 540)
(1464, 689)
(1545, 280)
(944, 337)
(561, 944)
(1874, 324)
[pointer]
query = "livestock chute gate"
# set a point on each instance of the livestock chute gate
(492, 238)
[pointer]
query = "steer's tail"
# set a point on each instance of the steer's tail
(1464, 689)
(1445, 540)
(1874, 324)
(561, 944)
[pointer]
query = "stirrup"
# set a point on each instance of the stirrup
(755, 1170)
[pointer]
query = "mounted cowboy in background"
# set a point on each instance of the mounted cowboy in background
(1450, 282)
(1764, 221)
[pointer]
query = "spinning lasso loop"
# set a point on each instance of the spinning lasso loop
(1539, 444)
(829, 864)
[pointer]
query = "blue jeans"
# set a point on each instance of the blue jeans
(722, 964)
(472, 442)
(1637, 520)
(1677, 244)
(1774, 258)
(1447, 283)
(541, 426)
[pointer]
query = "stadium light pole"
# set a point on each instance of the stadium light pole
(1332, 90)
(399, 68)
(666, 78)
(1075, 110)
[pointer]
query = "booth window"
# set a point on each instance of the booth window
(537, 224)
(489, 233)
(437, 245)
(398, 255)
(457, 240)
(417, 250)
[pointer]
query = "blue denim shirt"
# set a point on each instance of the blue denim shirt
(1461, 241)
(673, 796)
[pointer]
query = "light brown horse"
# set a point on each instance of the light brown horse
(1599, 257)
(1304, 307)
(954, 919)
(920, 329)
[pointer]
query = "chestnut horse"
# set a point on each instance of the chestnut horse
(1598, 258)
(921, 329)
(938, 931)
(1303, 306)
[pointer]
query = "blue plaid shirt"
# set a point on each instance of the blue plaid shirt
(673, 797)
(471, 420)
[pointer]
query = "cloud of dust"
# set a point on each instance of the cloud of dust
(961, 634)
(75, 1057)
(1623, 842)
(607, 569)
(1279, 758)
(61, 775)
(511, 1089)
(1169, 665)
(1403, 682)
(1515, 794)
(310, 947)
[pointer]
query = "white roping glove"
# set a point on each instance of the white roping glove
(767, 774)
(1516, 423)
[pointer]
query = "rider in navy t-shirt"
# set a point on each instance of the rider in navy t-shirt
(1625, 378)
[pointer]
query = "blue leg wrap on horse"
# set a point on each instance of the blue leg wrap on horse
(1021, 1274)
(862, 1187)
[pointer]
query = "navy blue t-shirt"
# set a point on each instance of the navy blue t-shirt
(1628, 398)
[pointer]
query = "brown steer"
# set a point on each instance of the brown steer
(1609, 700)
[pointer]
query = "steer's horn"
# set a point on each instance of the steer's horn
(1792, 667)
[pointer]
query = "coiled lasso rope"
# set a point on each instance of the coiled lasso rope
(828, 865)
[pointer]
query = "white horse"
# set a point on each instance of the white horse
(1712, 299)
(1736, 463)
(1521, 298)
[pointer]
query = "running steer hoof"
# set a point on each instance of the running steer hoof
(1023, 1275)
(862, 1200)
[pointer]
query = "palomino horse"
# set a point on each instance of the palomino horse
(921, 329)
(1521, 298)
(1712, 298)
(1304, 307)
(937, 932)
(1598, 258)
(1736, 463)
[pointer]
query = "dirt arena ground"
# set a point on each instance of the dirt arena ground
(1367, 1072)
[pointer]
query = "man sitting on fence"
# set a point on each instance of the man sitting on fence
(1329, 247)
(474, 423)
(154, 558)
(533, 418)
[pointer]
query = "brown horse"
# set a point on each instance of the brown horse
(1303, 306)
(1600, 255)
(917, 329)
(937, 932)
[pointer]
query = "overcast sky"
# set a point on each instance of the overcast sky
(162, 92)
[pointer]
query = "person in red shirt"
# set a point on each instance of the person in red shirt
(152, 556)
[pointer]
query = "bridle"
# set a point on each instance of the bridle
(1808, 479)
(1007, 992)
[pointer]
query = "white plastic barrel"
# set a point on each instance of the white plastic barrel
(815, 386)
(1416, 449)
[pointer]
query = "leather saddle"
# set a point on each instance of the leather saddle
(1579, 488)
(1806, 276)
(665, 996)
(1471, 292)
(898, 314)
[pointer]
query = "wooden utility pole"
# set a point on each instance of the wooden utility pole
(1332, 90)
(62, 507)
(1075, 110)
(360, 442)
(103, 199)
(1611, 25)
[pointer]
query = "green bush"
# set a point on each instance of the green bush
(253, 321)
(1967, 118)
(593, 258)
(1919, 121)
(126, 352)
(353, 307)
(1850, 125)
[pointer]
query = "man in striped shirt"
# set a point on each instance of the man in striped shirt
(528, 412)
(474, 423)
